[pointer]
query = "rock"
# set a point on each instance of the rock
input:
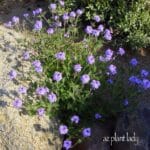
(96, 142)
(19, 132)
(138, 123)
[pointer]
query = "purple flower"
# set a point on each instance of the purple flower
(8, 24)
(26, 55)
(26, 15)
(101, 28)
(67, 144)
(37, 66)
(72, 14)
(102, 59)
(97, 18)
(40, 112)
(37, 11)
(90, 59)
(95, 32)
(58, 24)
(36, 63)
(146, 84)
(65, 16)
(38, 25)
(89, 29)
(63, 129)
(57, 76)
(108, 54)
(42, 90)
(144, 73)
(133, 62)
(98, 116)
(62, 3)
(77, 68)
(60, 56)
(107, 35)
(113, 69)
(38, 69)
(95, 84)
(52, 97)
(50, 31)
(121, 51)
(17, 103)
(110, 81)
(52, 6)
(15, 19)
(86, 132)
(22, 90)
(85, 78)
(79, 12)
(12, 74)
(75, 119)
(126, 102)
(135, 80)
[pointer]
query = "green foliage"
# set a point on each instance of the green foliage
(129, 19)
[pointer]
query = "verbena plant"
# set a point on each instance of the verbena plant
(75, 81)
(129, 19)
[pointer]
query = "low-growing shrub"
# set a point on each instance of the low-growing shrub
(128, 19)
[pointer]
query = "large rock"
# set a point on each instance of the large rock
(135, 124)
(18, 131)
(96, 141)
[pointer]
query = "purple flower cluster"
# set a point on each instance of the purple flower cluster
(65, 16)
(50, 31)
(57, 76)
(67, 144)
(75, 119)
(22, 90)
(37, 66)
(90, 59)
(133, 62)
(86, 132)
(26, 55)
(144, 73)
(52, 6)
(72, 14)
(12, 74)
(42, 90)
(15, 19)
(107, 56)
(98, 116)
(121, 51)
(37, 11)
(95, 84)
(97, 18)
(142, 83)
(112, 69)
(60, 56)
(85, 79)
(17, 103)
(63, 129)
(107, 35)
(40, 112)
(52, 97)
(38, 25)
(126, 102)
(77, 68)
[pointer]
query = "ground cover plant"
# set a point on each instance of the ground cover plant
(75, 82)
(128, 19)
